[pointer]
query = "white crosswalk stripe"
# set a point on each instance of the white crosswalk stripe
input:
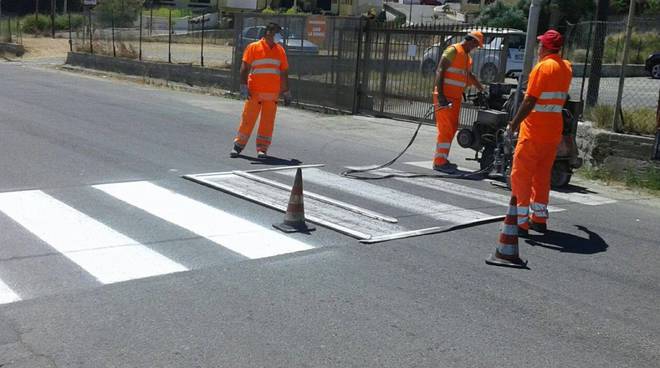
(7, 295)
(232, 232)
(103, 252)
(395, 198)
(587, 199)
(450, 187)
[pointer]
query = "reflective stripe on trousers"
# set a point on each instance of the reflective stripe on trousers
(251, 110)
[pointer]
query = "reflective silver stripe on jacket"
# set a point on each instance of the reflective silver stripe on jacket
(274, 62)
(553, 95)
(453, 82)
(548, 108)
(266, 71)
(451, 69)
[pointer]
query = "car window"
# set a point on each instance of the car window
(516, 42)
(251, 33)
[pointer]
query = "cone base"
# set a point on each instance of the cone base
(496, 261)
(301, 227)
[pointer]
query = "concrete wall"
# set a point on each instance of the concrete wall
(612, 70)
(614, 151)
(12, 48)
(183, 73)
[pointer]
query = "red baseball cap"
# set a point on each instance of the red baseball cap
(551, 40)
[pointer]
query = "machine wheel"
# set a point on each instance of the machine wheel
(487, 159)
(561, 175)
(488, 73)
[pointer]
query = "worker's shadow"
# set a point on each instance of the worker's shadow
(569, 243)
(574, 189)
(273, 161)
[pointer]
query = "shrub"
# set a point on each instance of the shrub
(641, 45)
(269, 10)
(639, 121)
(62, 22)
(35, 25)
(601, 116)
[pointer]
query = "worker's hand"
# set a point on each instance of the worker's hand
(442, 101)
(245, 93)
(287, 98)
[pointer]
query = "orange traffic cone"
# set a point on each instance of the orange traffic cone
(506, 253)
(294, 219)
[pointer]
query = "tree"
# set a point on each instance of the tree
(500, 15)
(124, 12)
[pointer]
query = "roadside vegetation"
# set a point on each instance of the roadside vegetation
(635, 121)
(646, 179)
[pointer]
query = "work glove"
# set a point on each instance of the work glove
(287, 98)
(245, 94)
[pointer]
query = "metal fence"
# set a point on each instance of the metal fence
(399, 66)
(323, 54)
(183, 40)
(10, 30)
(596, 50)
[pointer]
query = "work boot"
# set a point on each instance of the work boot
(262, 155)
(235, 151)
(447, 168)
(538, 227)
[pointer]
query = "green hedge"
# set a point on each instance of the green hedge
(641, 46)
(41, 25)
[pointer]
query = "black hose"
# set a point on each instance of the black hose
(476, 175)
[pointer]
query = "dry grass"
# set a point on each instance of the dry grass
(43, 47)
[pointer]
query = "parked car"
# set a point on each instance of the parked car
(653, 65)
(486, 60)
(432, 2)
(292, 44)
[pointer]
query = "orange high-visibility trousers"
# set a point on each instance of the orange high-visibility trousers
(446, 121)
(530, 180)
(258, 103)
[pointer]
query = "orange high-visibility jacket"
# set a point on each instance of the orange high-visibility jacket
(456, 76)
(267, 65)
(549, 82)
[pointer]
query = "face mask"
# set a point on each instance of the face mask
(278, 38)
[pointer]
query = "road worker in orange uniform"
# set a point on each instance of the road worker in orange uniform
(264, 77)
(452, 76)
(540, 133)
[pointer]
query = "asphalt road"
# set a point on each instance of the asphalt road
(109, 258)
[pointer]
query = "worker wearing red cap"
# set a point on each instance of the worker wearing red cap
(453, 74)
(541, 123)
(264, 77)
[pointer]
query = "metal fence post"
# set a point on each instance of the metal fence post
(202, 51)
(366, 65)
(586, 60)
(91, 32)
(140, 38)
(169, 38)
(357, 90)
(626, 50)
(383, 79)
(112, 16)
(68, 13)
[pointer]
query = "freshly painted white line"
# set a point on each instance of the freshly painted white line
(7, 295)
(448, 186)
(232, 232)
(588, 199)
(106, 254)
(412, 203)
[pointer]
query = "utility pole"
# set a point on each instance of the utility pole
(530, 46)
(626, 49)
(36, 10)
(599, 47)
